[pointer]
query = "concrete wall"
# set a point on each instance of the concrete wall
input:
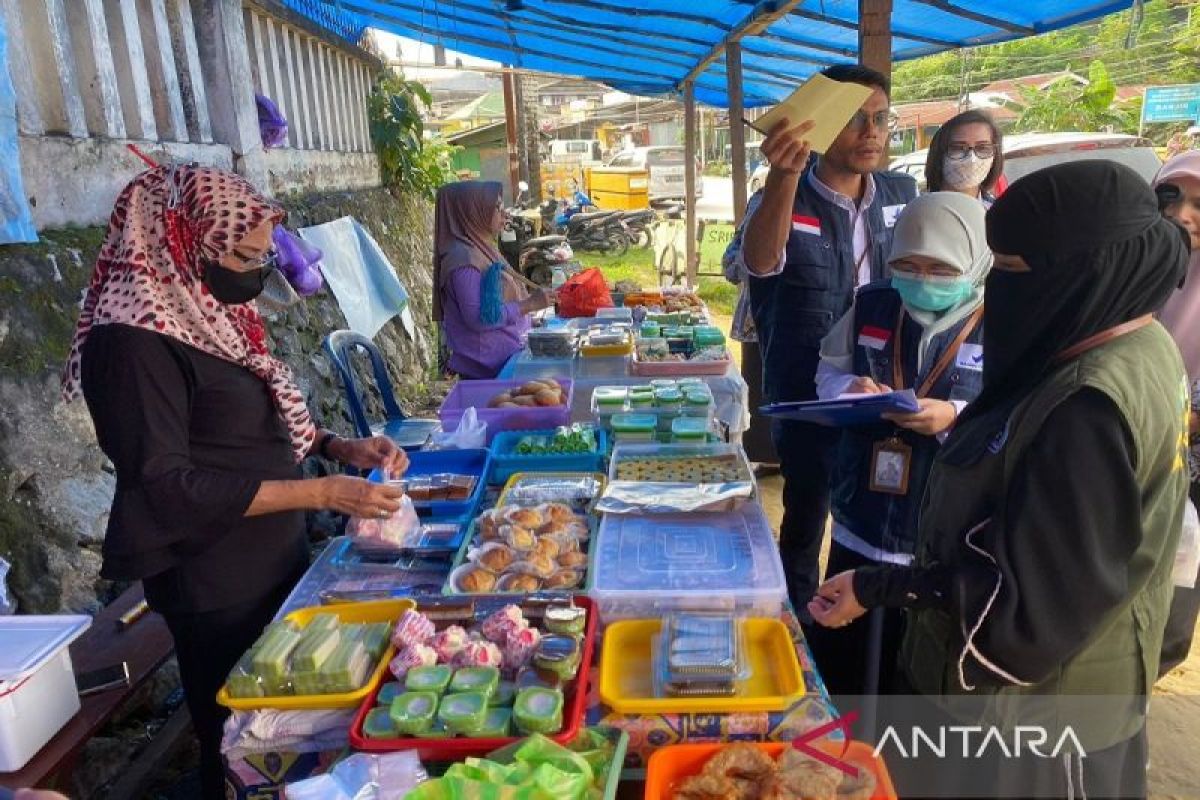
(75, 181)
(291, 171)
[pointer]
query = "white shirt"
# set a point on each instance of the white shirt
(858, 222)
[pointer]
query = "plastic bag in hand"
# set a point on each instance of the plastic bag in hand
(387, 534)
(1187, 556)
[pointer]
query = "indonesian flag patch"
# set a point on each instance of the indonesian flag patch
(874, 338)
(805, 224)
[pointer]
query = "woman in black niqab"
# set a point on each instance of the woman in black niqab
(1091, 267)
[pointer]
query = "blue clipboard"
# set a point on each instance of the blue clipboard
(846, 412)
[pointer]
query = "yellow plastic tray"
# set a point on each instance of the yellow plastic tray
(608, 350)
(599, 477)
(374, 611)
(627, 680)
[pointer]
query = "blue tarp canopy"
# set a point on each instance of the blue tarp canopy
(651, 47)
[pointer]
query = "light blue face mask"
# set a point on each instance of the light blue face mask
(931, 293)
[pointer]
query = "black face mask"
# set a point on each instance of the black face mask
(231, 287)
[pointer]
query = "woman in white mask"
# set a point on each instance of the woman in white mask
(966, 156)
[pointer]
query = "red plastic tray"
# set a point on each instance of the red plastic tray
(460, 747)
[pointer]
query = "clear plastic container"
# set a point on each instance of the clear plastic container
(634, 427)
(528, 367)
(648, 566)
(551, 343)
(620, 313)
(616, 366)
(689, 430)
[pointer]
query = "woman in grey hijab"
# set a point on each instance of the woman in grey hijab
(920, 330)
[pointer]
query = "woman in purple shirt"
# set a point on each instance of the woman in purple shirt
(478, 299)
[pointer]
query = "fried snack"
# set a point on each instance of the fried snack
(496, 557)
(745, 766)
(478, 580)
(528, 518)
(548, 547)
(705, 787)
(563, 579)
(488, 526)
(860, 787)
(518, 538)
(519, 583)
(573, 559)
(560, 513)
(548, 397)
(802, 776)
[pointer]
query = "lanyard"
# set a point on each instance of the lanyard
(1103, 337)
(943, 362)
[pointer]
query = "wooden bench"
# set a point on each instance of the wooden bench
(144, 645)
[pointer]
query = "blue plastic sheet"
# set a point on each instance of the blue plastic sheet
(649, 47)
(360, 276)
(16, 219)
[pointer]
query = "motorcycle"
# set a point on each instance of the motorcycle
(536, 257)
(601, 231)
(638, 224)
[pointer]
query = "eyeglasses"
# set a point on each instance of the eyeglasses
(879, 119)
(267, 262)
(958, 152)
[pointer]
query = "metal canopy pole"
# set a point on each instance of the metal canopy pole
(689, 146)
(875, 35)
(511, 124)
(737, 131)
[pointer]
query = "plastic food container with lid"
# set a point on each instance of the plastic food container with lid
(634, 427)
(689, 430)
(551, 342)
(645, 566)
(37, 683)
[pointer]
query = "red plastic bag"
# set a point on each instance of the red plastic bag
(583, 294)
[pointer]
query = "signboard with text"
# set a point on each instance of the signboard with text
(1172, 103)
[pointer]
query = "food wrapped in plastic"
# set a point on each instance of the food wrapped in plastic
(573, 490)
(518, 538)
(497, 627)
(495, 557)
(539, 566)
(389, 534)
(413, 628)
(518, 649)
(449, 642)
(477, 654)
(411, 657)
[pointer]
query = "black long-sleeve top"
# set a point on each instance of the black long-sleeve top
(1064, 553)
(192, 437)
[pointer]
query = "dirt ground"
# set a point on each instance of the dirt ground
(1174, 712)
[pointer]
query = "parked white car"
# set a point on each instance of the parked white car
(1027, 152)
(666, 167)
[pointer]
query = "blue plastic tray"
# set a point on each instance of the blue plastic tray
(458, 462)
(506, 463)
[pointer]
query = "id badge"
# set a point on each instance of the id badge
(890, 461)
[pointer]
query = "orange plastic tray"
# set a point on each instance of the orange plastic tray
(670, 765)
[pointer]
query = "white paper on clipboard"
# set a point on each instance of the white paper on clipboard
(828, 103)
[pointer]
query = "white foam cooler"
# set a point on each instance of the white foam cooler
(37, 684)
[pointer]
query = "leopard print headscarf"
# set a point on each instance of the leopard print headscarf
(165, 223)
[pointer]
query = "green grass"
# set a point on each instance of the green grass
(638, 265)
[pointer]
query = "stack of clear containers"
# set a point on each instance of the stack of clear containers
(646, 566)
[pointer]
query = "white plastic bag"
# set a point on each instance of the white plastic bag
(1187, 557)
(471, 434)
(364, 776)
(8, 604)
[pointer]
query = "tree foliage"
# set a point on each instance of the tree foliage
(407, 160)
(1161, 45)
(1068, 106)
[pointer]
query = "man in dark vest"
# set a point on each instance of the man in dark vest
(811, 236)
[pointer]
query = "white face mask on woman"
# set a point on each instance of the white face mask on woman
(966, 173)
